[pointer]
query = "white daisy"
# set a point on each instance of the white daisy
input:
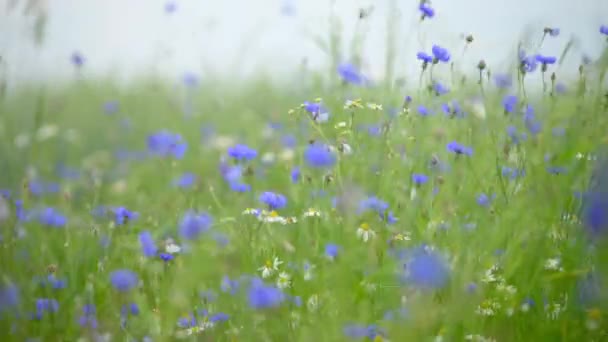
(270, 267)
(365, 233)
(284, 280)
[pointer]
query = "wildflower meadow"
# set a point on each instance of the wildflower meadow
(470, 204)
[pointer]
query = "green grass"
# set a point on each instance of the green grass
(516, 231)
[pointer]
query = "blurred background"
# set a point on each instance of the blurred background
(238, 38)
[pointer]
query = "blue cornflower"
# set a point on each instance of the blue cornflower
(123, 280)
(56, 284)
(193, 224)
(186, 180)
(187, 321)
(229, 285)
(9, 297)
(595, 203)
(440, 89)
(503, 81)
(295, 174)
(509, 102)
(419, 178)
(170, 7)
(426, 10)
(373, 203)
(190, 79)
(441, 54)
(484, 200)
(534, 126)
(52, 218)
(148, 246)
(459, 149)
(561, 88)
(289, 141)
(528, 64)
(318, 111)
(88, 318)
(351, 74)
(240, 187)
(423, 110)
(427, 269)
(331, 250)
(319, 156)
(272, 200)
(164, 144)
(263, 296)
(604, 29)
(45, 305)
(242, 152)
(512, 173)
(166, 257)
(219, 317)
(77, 59)
(358, 331)
(123, 215)
(424, 57)
(111, 107)
(546, 59)
(552, 31)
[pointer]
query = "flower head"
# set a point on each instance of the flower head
(242, 152)
(193, 224)
(123, 215)
(419, 178)
(273, 201)
(52, 218)
(331, 250)
(427, 269)
(148, 246)
(123, 280)
(426, 10)
(164, 144)
(441, 54)
(424, 57)
(77, 59)
(459, 149)
(351, 74)
(319, 156)
(546, 59)
(263, 296)
(604, 29)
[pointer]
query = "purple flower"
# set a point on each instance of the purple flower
(373, 203)
(485, 200)
(419, 178)
(9, 297)
(427, 270)
(441, 54)
(604, 29)
(503, 81)
(528, 64)
(242, 152)
(295, 175)
(148, 246)
(423, 110)
(440, 89)
(219, 317)
(426, 10)
(123, 215)
(331, 250)
(45, 305)
(546, 59)
(88, 318)
(357, 331)
(186, 180)
(424, 57)
(77, 59)
(123, 280)
(509, 102)
(193, 224)
(319, 156)
(552, 31)
(50, 217)
(166, 257)
(459, 149)
(170, 7)
(351, 74)
(164, 144)
(272, 200)
(263, 296)
(111, 107)
(229, 285)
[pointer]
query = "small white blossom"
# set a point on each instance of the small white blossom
(365, 233)
(270, 267)
(553, 264)
(313, 303)
(284, 280)
(312, 213)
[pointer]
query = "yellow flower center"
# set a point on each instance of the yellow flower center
(378, 338)
(594, 313)
(273, 214)
(364, 226)
(268, 264)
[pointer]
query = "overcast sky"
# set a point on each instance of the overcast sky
(128, 37)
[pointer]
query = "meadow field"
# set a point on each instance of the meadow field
(461, 207)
